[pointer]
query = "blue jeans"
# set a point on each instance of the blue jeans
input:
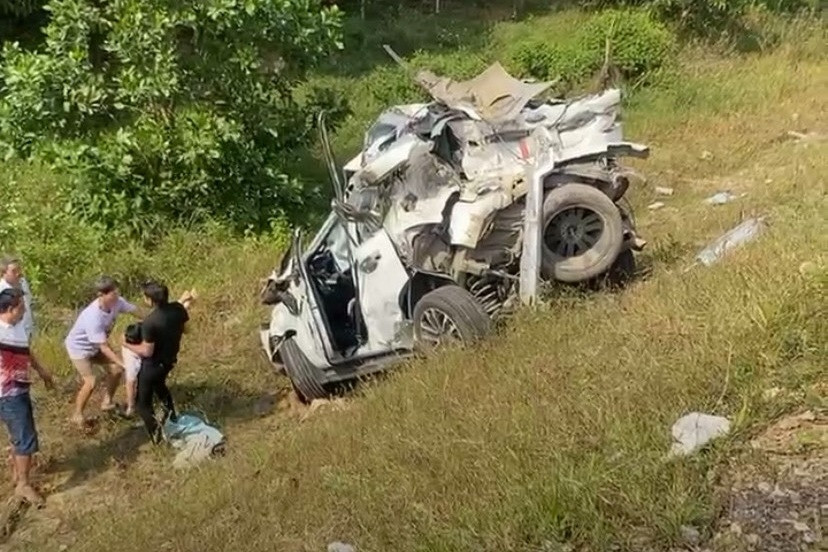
(16, 413)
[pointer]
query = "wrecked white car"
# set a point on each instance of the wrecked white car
(424, 240)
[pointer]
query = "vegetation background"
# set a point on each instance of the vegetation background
(175, 139)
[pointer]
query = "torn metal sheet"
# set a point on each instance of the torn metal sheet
(743, 233)
(721, 198)
(494, 95)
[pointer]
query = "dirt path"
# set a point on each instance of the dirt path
(116, 463)
(776, 496)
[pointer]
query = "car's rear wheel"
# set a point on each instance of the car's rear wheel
(449, 314)
(307, 380)
(582, 233)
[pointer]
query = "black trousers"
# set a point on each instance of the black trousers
(152, 382)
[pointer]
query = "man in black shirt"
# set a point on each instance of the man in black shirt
(161, 334)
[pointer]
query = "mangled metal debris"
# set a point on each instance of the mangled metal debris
(741, 234)
(720, 198)
(446, 219)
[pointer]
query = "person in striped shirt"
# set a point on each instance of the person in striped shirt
(16, 359)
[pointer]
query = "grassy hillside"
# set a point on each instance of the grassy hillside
(552, 432)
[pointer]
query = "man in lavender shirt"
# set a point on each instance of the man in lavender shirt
(88, 347)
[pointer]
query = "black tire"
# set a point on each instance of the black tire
(623, 269)
(619, 274)
(307, 380)
(469, 322)
(582, 233)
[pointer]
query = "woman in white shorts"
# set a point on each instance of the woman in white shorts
(132, 364)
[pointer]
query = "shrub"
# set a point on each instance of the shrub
(639, 45)
(168, 111)
(19, 8)
(708, 18)
(63, 254)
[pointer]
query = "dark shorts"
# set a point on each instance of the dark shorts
(16, 413)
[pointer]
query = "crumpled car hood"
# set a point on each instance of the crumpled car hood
(494, 94)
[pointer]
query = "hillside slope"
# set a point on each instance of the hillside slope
(552, 432)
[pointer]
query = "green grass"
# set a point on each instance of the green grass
(553, 431)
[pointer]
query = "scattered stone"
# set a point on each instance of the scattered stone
(789, 518)
(735, 528)
(770, 394)
(800, 527)
(340, 547)
(807, 136)
(693, 431)
(808, 268)
(706, 155)
(690, 535)
(663, 190)
(655, 206)
(721, 198)
(316, 404)
(808, 416)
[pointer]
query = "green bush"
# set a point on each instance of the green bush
(64, 254)
(639, 45)
(390, 85)
(19, 8)
(706, 17)
(177, 111)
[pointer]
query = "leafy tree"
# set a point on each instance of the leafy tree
(169, 109)
(19, 8)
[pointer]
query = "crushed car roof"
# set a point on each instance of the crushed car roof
(493, 95)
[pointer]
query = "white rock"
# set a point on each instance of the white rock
(764, 487)
(770, 394)
(340, 547)
(693, 431)
(721, 198)
(690, 535)
(801, 527)
(655, 206)
(663, 190)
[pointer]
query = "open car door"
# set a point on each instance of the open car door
(295, 310)
(380, 279)
(377, 271)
